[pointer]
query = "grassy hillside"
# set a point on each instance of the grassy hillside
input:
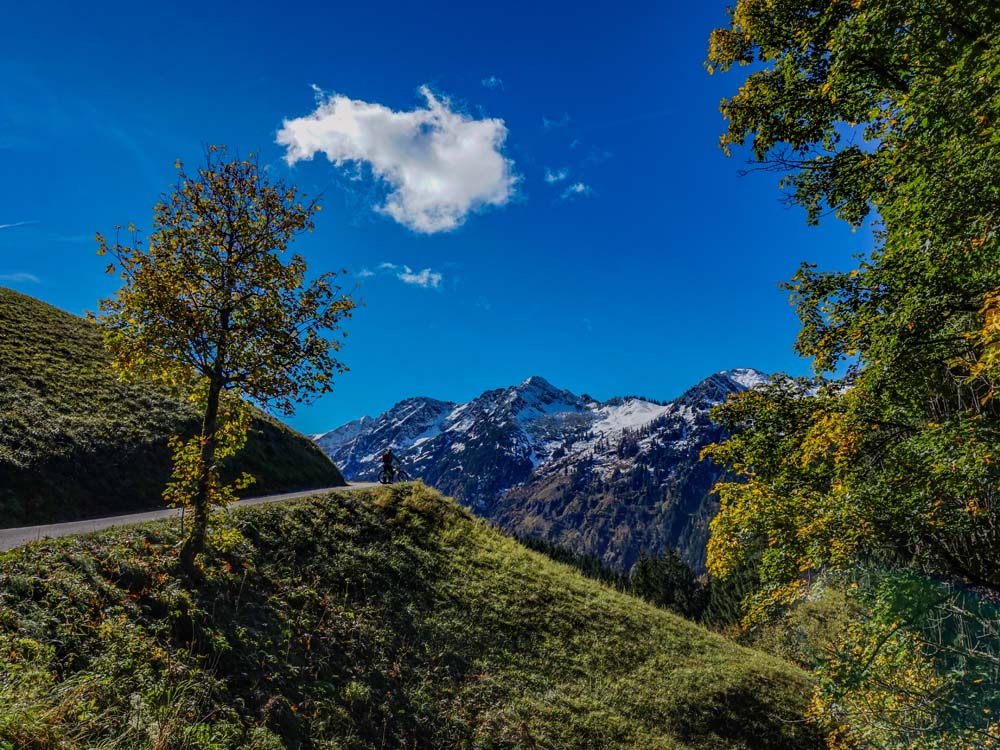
(75, 442)
(386, 618)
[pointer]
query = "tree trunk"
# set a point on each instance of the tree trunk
(195, 543)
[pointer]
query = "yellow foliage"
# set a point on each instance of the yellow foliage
(832, 435)
(230, 437)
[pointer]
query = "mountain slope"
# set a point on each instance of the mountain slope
(376, 619)
(606, 479)
(76, 442)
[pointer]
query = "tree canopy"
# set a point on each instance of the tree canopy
(212, 304)
(883, 112)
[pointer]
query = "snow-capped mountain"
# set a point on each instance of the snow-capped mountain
(605, 478)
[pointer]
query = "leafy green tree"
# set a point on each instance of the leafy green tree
(884, 111)
(212, 306)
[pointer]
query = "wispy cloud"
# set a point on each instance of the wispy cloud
(562, 122)
(426, 278)
(552, 177)
(576, 190)
(492, 83)
(439, 165)
(17, 224)
(19, 276)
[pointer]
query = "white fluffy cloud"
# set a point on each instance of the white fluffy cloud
(439, 165)
(426, 278)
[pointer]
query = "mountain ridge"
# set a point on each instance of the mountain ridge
(522, 455)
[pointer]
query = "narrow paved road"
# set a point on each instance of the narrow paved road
(11, 538)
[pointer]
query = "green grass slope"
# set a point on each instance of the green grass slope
(385, 618)
(76, 442)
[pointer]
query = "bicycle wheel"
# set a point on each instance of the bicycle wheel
(386, 476)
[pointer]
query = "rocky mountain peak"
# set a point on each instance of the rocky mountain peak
(536, 382)
(746, 376)
(607, 477)
(716, 388)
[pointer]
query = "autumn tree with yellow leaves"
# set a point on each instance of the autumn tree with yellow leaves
(885, 481)
(212, 304)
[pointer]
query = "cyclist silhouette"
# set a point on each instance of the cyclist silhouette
(390, 467)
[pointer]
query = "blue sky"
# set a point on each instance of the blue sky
(527, 189)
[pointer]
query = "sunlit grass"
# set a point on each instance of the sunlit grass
(75, 441)
(382, 618)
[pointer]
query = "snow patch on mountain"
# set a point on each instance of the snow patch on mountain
(630, 414)
(344, 433)
(745, 376)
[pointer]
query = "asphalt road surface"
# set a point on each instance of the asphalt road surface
(11, 538)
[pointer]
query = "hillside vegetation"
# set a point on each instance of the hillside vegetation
(384, 618)
(76, 442)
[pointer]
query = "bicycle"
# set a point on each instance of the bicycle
(389, 474)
